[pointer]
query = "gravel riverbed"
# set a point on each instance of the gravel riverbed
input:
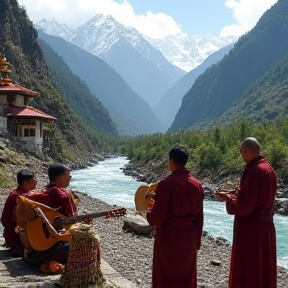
(131, 254)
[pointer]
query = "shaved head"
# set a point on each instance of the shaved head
(251, 144)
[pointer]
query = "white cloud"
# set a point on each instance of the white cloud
(246, 14)
(74, 13)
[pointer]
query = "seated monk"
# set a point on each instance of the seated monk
(54, 195)
(26, 182)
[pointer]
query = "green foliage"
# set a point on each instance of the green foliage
(215, 150)
(276, 153)
(209, 156)
(5, 182)
(283, 173)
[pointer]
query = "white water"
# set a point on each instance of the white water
(107, 182)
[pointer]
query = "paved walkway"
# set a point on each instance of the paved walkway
(15, 273)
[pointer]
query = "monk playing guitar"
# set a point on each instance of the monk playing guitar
(55, 196)
(45, 236)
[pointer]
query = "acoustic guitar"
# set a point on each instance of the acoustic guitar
(144, 197)
(50, 226)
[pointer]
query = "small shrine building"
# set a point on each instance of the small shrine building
(18, 121)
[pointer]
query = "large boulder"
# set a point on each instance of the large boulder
(137, 224)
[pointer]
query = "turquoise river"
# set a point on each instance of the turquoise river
(106, 181)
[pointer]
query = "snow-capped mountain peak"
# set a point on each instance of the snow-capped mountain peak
(128, 52)
(101, 32)
(189, 51)
(52, 27)
(97, 35)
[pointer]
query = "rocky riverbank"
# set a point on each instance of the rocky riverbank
(131, 254)
(13, 158)
(128, 253)
(146, 172)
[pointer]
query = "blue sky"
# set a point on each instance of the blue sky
(157, 18)
(194, 16)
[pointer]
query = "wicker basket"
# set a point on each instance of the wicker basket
(83, 266)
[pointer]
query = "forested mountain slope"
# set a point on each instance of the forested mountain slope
(70, 139)
(169, 104)
(131, 114)
(221, 85)
(265, 99)
(76, 92)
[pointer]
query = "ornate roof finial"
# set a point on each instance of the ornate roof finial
(5, 73)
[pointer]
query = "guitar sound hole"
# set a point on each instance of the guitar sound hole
(45, 230)
(58, 223)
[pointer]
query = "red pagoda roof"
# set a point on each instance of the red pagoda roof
(26, 112)
(17, 88)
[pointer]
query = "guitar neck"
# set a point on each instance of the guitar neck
(79, 218)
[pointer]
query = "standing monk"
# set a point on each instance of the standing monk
(26, 182)
(253, 259)
(178, 216)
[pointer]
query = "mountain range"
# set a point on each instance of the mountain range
(182, 50)
(131, 114)
(249, 81)
(169, 104)
(76, 93)
(229, 82)
(189, 51)
(142, 66)
(125, 49)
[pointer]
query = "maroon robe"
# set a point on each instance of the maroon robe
(61, 199)
(56, 197)
(253, 259)
(178, 217)
(12, 238)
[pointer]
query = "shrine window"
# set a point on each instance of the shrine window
(26, 132)
(29, 132)
(32, 132)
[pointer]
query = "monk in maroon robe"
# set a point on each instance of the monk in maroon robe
(26, 182)
(178, 216)
(55, 195)
(253, 259)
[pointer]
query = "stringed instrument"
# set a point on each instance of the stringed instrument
(144, 197)
(50, 226)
